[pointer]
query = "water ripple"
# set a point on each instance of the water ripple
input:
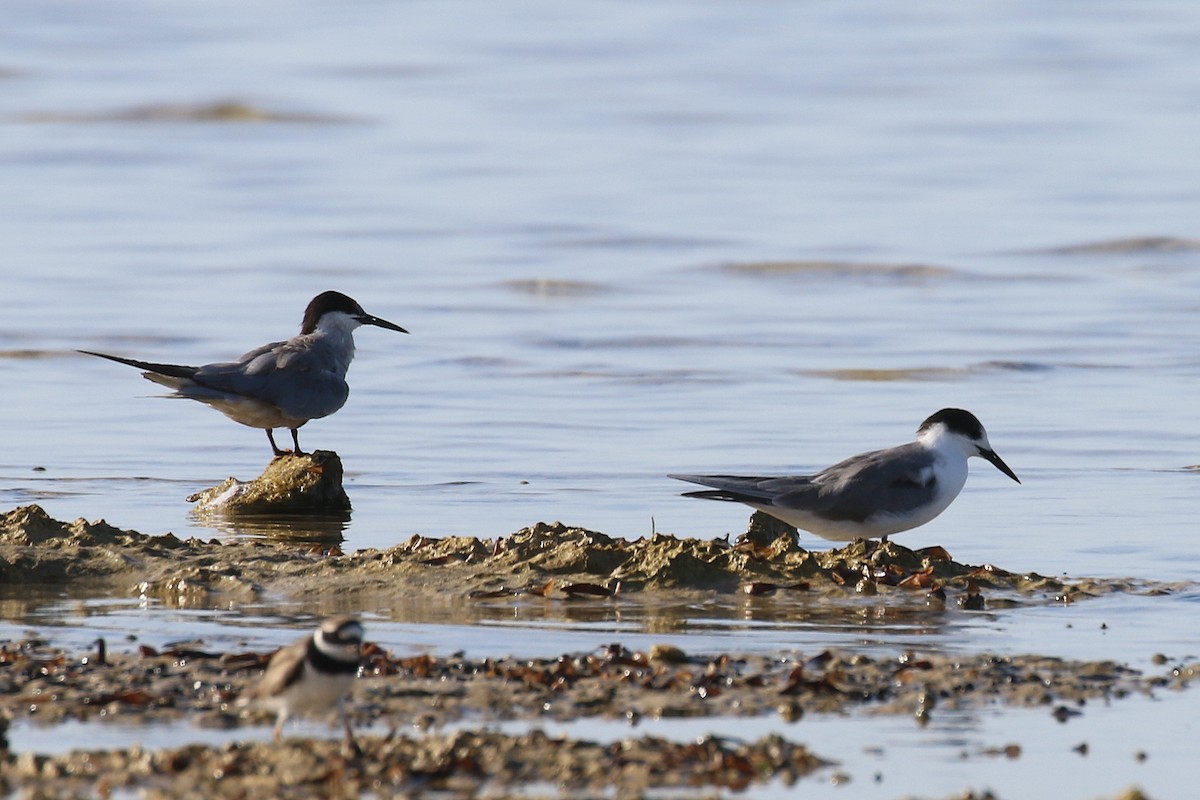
(839, 269)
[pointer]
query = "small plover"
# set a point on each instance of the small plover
(311, 676)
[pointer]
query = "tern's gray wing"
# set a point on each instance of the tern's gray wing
(302, 381)
(893, 481)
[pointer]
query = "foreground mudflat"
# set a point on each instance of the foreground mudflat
(428, 724)
(542, 560)
(43, 685)
(454, 765)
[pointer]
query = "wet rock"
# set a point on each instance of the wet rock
(290, 484)
(766, 531)
(667, 653)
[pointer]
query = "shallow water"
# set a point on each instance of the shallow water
(628, 240)
(559, 211)
(956, 749)
(1113, 627)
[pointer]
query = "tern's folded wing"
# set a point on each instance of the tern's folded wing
(295, 380)
(893, 481)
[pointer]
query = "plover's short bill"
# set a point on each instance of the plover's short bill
(311, 677)
(873, 494)
(281, 384)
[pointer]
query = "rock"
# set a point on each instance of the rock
(290, 484)
(765, 530)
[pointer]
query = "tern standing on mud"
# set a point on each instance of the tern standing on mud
(281, 384)
(871, 494)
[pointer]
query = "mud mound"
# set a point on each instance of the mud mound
(543, 560)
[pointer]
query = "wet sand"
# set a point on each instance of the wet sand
(46, 686)
(424, 696)
(542, 560)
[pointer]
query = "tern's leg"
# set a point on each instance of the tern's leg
(296, 441)
(279, 727)
(275, 447)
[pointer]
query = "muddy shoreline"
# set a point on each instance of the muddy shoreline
(543, 560)
(43, 685)
(447, 707)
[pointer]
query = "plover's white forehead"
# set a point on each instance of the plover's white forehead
(341, 630)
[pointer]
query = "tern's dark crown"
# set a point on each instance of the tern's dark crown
(957, 421)
(323, 304)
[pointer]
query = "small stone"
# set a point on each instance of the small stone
(667, 653)
(763, 530)
(289, 485)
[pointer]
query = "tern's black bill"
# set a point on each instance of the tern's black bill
(999, 464)
(367, 319)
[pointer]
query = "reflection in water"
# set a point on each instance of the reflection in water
(324, 528)
(20, 604)
(713, 623)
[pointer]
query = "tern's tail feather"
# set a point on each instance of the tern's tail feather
(720, 494)
(733, 488)
(164, 370)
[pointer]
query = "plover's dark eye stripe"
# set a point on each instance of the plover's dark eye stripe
(348, 632)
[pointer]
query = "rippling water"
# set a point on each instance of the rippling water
(628, 239)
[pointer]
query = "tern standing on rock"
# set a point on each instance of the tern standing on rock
(281, 384)
(871, 494)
